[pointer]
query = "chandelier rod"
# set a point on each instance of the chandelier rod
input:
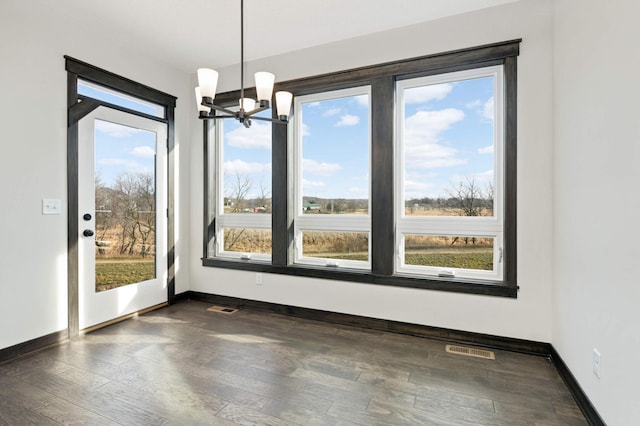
(241, 51)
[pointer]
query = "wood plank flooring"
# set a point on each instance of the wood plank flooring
(184, 365)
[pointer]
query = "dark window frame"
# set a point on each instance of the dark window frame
(382, 79)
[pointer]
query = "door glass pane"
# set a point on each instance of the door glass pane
(449, 137)
(446, 251)
(125, 213)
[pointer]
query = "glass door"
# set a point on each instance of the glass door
(122, 206)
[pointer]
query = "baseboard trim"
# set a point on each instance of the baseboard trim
(464, 337)
(33, 345)
(585, 405)
(485, 340)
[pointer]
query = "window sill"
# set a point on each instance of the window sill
(456, 285)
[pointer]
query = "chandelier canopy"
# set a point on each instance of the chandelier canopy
(248, 107)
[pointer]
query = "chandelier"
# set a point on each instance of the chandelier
(248, 107)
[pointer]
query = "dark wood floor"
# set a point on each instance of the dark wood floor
(184, 365)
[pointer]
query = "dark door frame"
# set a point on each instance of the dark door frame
(80, 106)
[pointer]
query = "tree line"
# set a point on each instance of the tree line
(126, 215)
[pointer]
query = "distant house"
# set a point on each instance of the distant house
(310, 205)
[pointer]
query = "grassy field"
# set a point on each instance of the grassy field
(112, 273)
(466, 259)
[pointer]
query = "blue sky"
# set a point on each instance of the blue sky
(448, 134)
(120, 149)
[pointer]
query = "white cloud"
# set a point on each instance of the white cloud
(312, 184)
(320, 169)
(482, 179)
(256, 136)
(486, 176)
(313, 104)
(122, 164)
(488, 110)
(143, 152)
(244, 168)
(486, 150)
(474, 104)
(357, 192)
(362, 100)
(115, 130)
(422, 138)
(348, 120)
(423, 94)
(306, 130)
(331, 112)
(416, 189)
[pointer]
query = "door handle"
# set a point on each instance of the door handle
(87, 233)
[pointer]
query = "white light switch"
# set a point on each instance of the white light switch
(50, 206)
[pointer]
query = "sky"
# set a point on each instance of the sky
(447, 132)
(448, 135)
(120, 148)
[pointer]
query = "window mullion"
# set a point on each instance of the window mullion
(382, 198)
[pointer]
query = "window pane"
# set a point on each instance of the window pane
(466, 252)
(247, 240)
(448, 136)
(246, 166)
(336, 245)
(101, 93)
(334, 144)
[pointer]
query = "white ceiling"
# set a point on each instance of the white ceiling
(189, 34)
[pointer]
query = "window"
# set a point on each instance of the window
(243, 190)
(332, 145)
(400, 174)
(116, 98)
(449, 174)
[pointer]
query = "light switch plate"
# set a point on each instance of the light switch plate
(50, 206)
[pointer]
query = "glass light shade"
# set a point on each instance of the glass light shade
(264, 85)
(208, 81)
(283, 103)
(199, 101)
(247, 104)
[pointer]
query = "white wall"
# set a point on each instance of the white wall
(33, 252)
(528, 316)
(597, 176)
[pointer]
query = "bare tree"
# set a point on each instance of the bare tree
(264, 197)
(467, 197)
(133, 210)
(472, 200)
(145, 215)
(239, 191)
(238, 196)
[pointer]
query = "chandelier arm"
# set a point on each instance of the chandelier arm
(219, 108)
(215, 117)
(255, 111)
(271, 120)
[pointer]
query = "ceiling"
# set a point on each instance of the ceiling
(189, 34)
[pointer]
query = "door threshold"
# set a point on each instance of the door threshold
(123, 318)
